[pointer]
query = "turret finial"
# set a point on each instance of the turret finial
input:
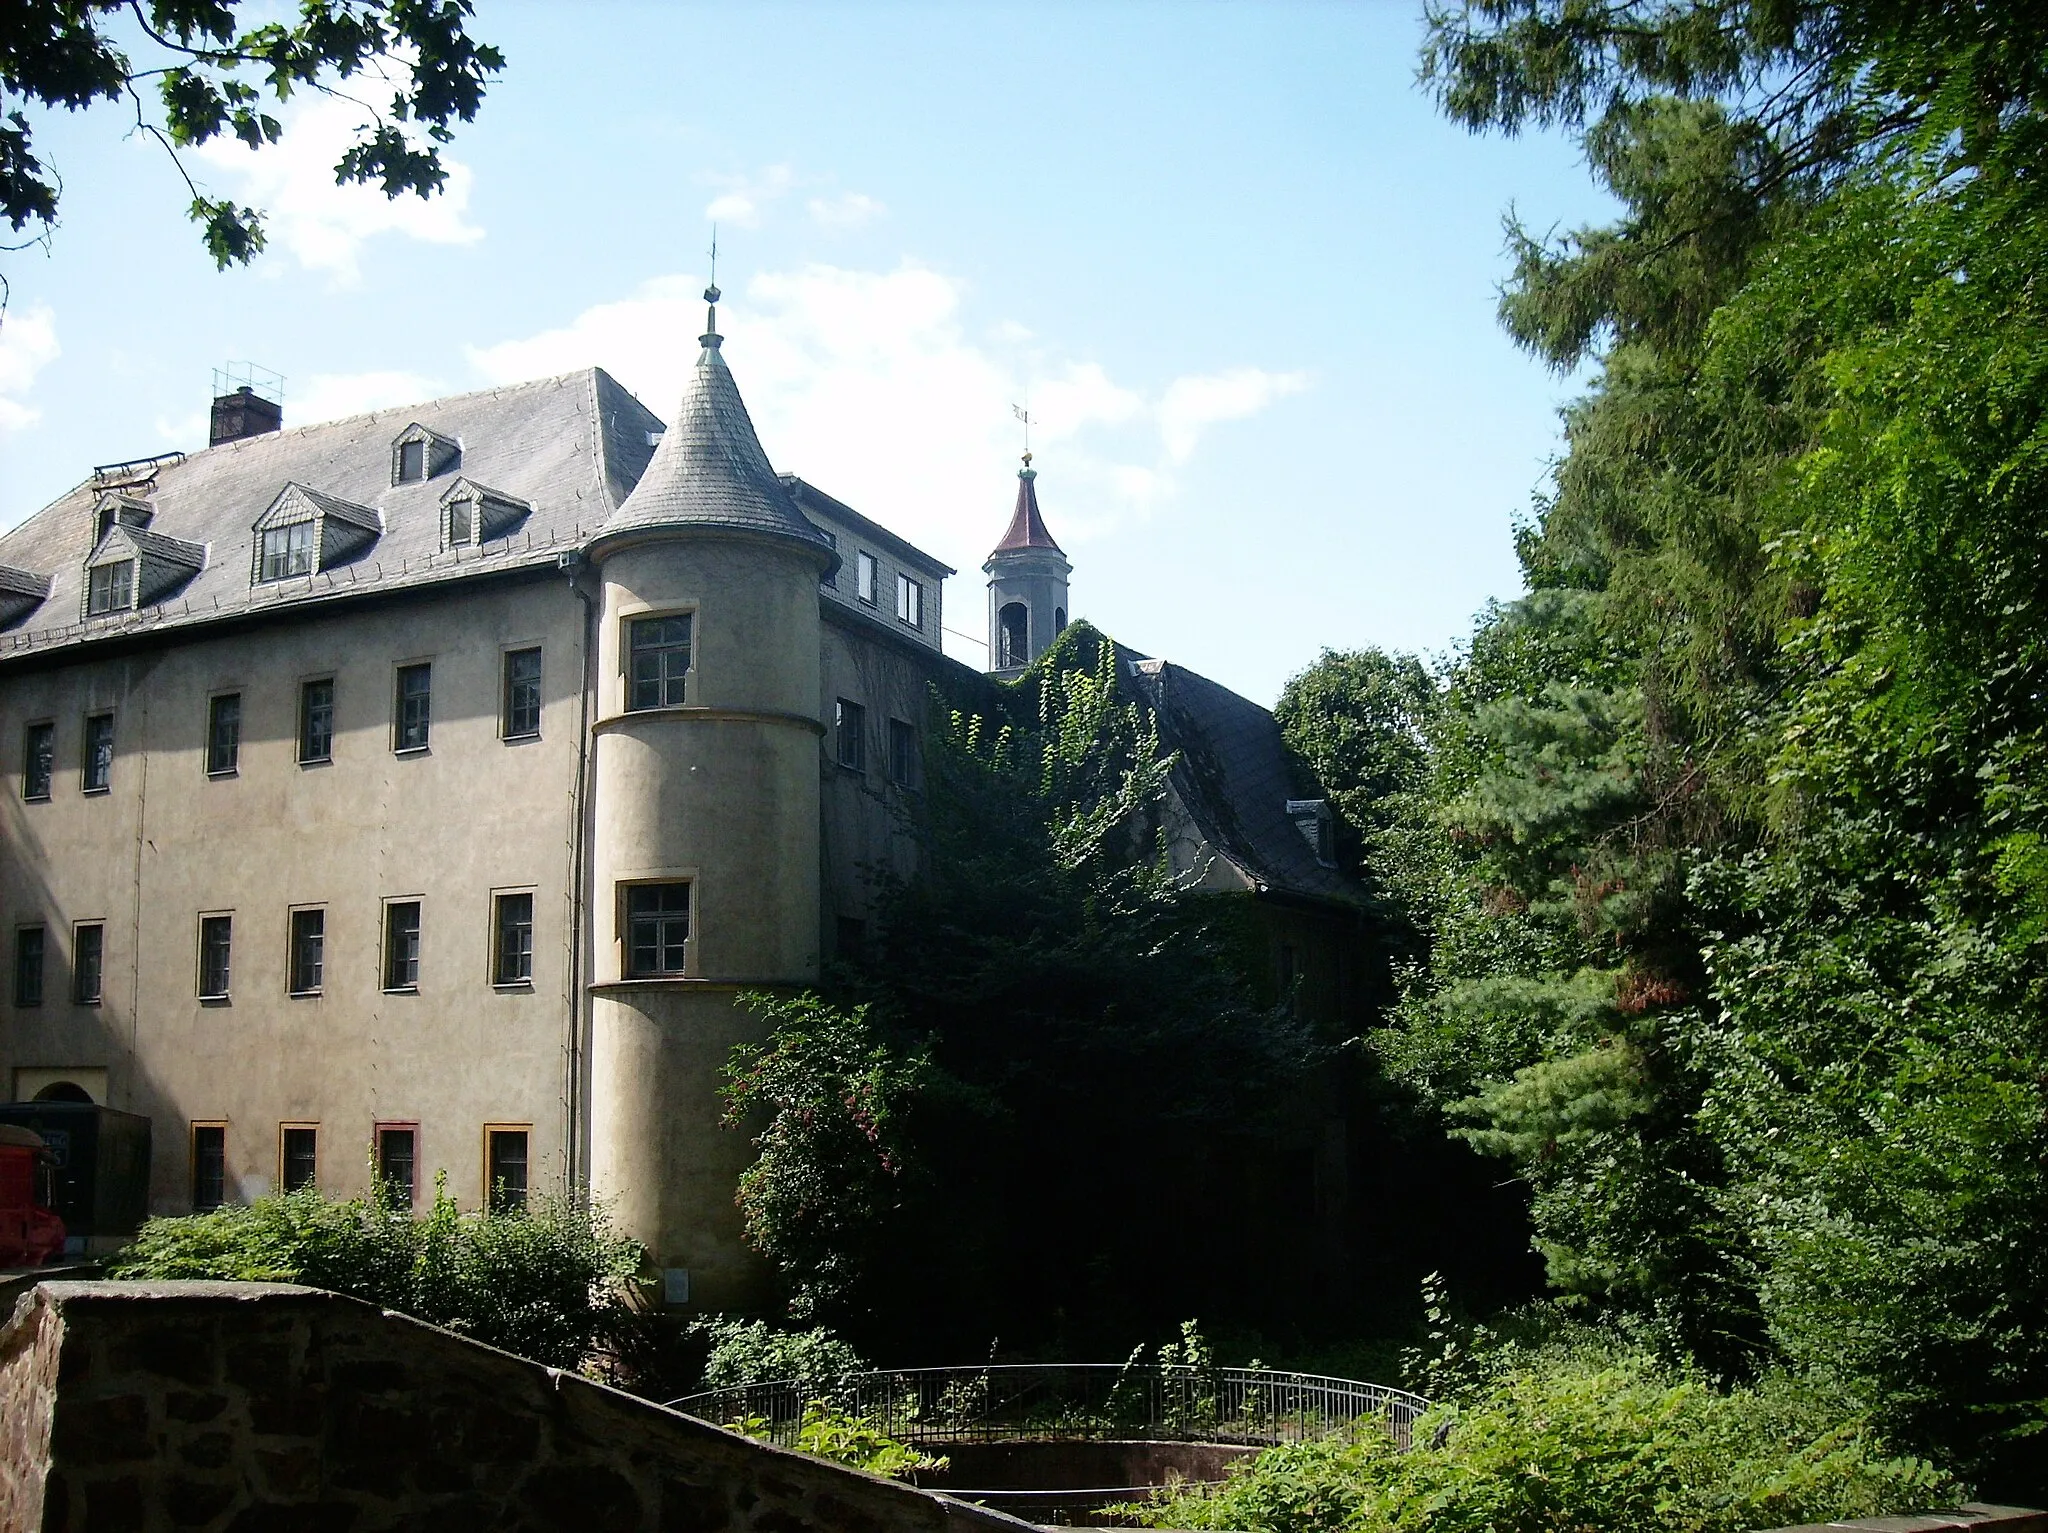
(711, 337)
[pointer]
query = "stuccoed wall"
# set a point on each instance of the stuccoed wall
(235, 1408)
(471, 814)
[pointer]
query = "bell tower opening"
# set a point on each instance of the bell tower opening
(1027, 584)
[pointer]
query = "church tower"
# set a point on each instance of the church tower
(1027, 584)
(704, 845)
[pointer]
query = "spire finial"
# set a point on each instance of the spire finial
(711, 337)
(1023, 413)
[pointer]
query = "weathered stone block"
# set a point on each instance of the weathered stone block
(583, 1495)
(687, 1508)
(110, 1431)
(172, 1351)
(111, 1506)
(258, 1362)
(209, 1450)
(300, 1517)
(181, 1405)
(844, 1517)
(287, 1472)
(193, 1503)
(295, 1413)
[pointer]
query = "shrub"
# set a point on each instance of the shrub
(1565, 1443)
(851, 1440)
(546, 1282)
(754, 1352)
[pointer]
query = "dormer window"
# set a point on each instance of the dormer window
(119, 511)
(287, 551)
(476, 514)
(1312, 818)
(306, 530)
(420, 453)
(131, 568)
(20, 594)
(110, 588)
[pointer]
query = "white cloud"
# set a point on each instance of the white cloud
(1191, 405)
(867, 383)
(744, 196)
(322, 225)
(28, 344)
(330, 396)
(849, 210)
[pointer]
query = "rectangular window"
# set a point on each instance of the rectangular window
(223, 734)
(850, 733)
(414, 706)
(864, 578)
(397, 1186)
(505, 1168)
(657, 929)
(902, 754)
(316, 720)
(909, 601)
(512, 940)
(830, 579)
(412, 462)
(298, 1155)
(28, 966)
(209, 1166)
(522, 694)
(287, 551)
(402, 945)
(660, 661)
(458, 522)
(110, 588)
(38, 760)
(308, 954)
(88, 960)
(216, 943)
(98, 769)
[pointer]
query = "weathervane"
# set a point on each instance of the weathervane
(711, 294)
(1024, 415)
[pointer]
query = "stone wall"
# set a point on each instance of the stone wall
(242, 1408)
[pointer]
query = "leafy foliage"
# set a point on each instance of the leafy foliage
(1577, 1441)
(1050, 1036)
(754, 1352)
(211, 73)
(850, 1440)
(547, 1283)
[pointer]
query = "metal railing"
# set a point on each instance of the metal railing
(998, 1401)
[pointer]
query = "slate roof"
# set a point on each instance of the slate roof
(1235, 778)
(572, 446)
(1027, 527)
(710, 471)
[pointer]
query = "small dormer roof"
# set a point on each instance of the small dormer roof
(1027, 527)
(710, 470)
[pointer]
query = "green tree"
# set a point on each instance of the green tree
(211, 72)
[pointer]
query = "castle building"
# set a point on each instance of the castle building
(417, 792)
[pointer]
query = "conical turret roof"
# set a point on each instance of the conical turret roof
(709, 470)
(1027, 527)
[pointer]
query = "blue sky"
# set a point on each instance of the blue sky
(1241, 270)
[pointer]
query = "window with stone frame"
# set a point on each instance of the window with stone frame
(505, 1155)
(402, 945)
(298, 1156)
(38, 759)
(512, 939)
(223, 734)
(657, 929)
(209, 1166)
(88, 962)
(850, 735)
(412, 708)
(30, 945)
(657, 660)
(96, 773)
(397, 1150)
(307, 961)
(521, 717)
(216, 950)
(316, 720)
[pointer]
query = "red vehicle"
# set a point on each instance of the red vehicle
(30, 1231)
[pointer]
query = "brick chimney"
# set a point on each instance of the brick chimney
(243, 412)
